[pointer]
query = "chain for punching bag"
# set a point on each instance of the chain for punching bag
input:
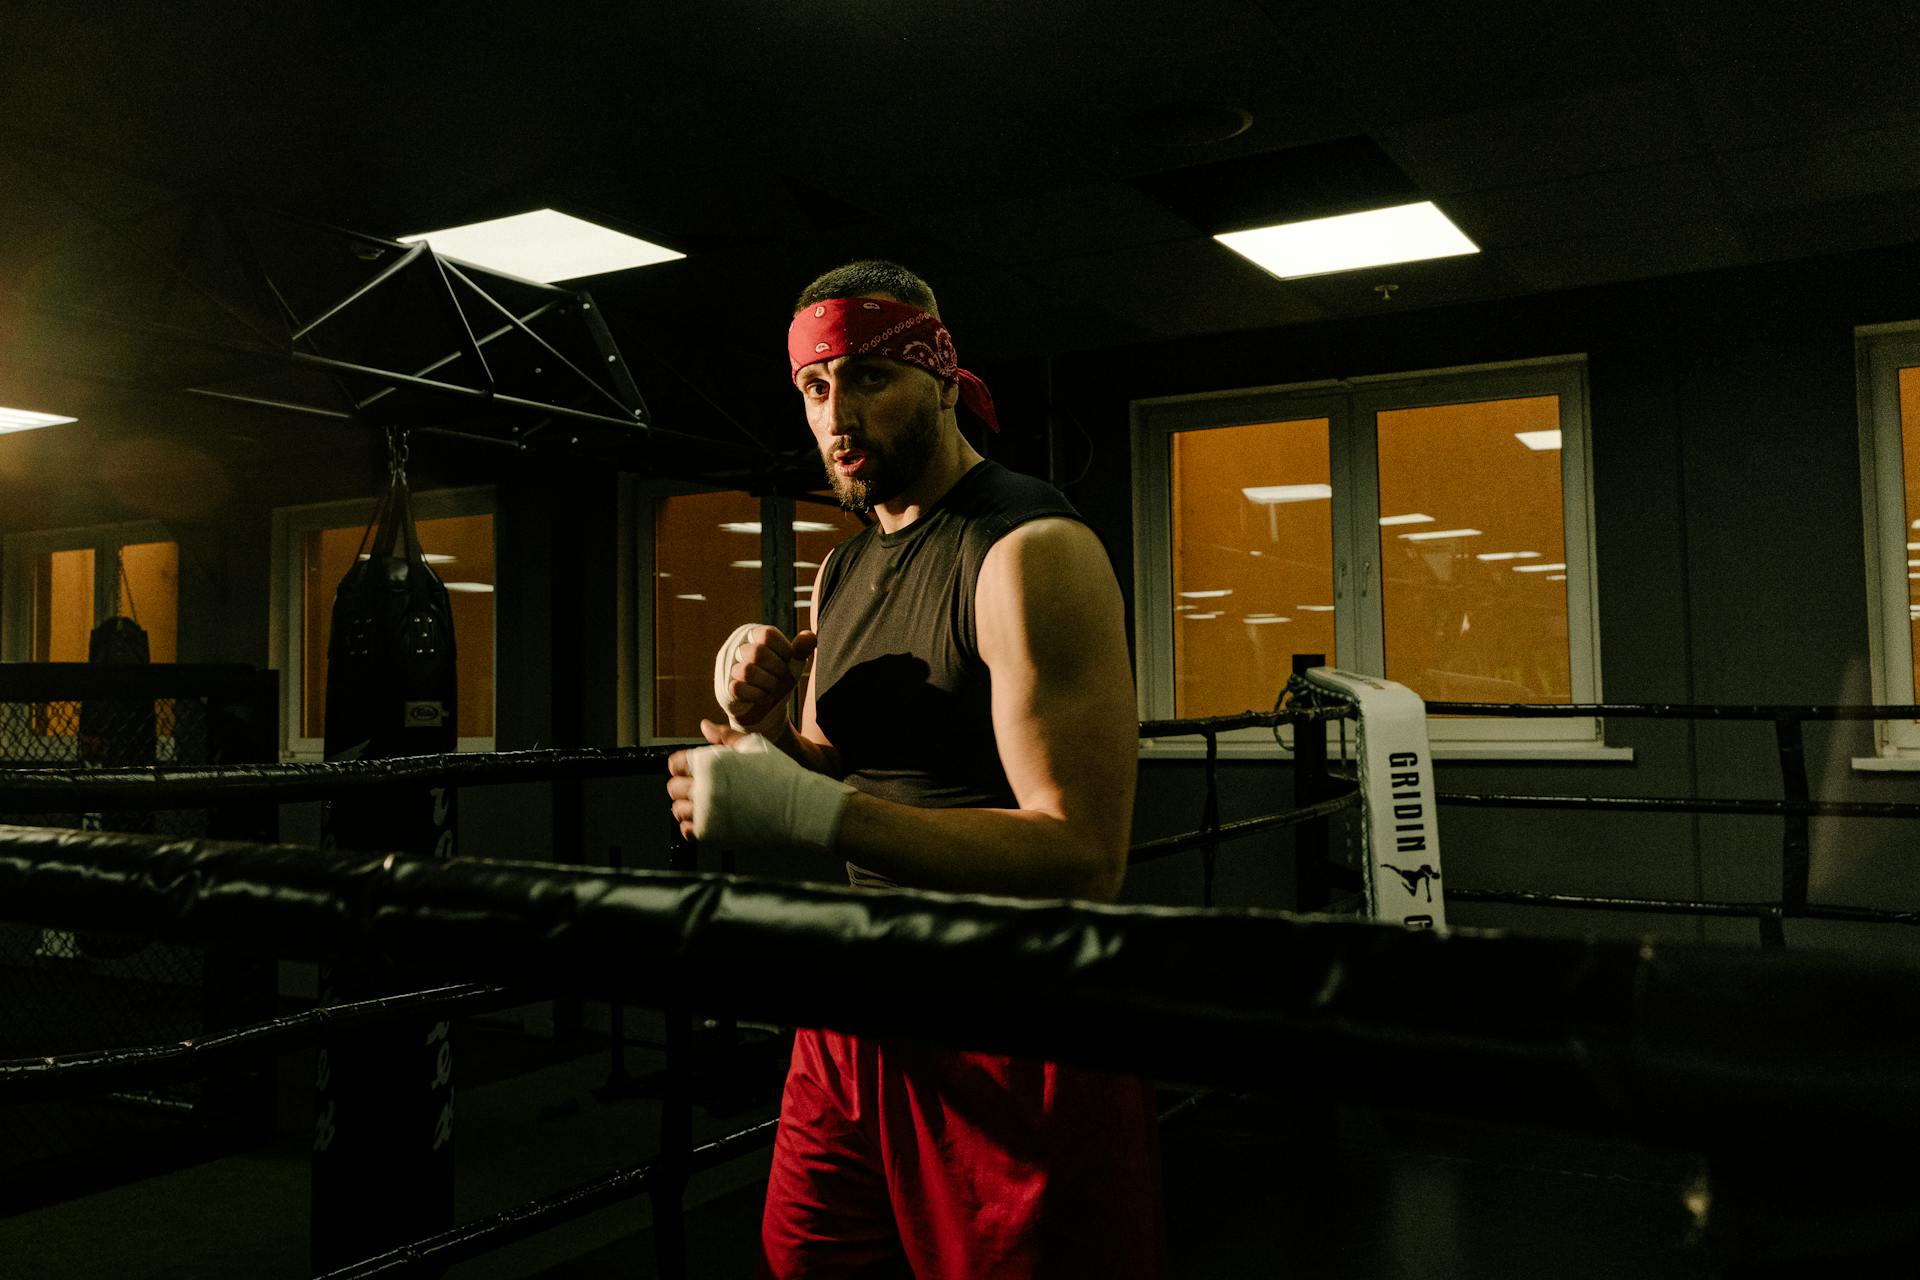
(383, 1123)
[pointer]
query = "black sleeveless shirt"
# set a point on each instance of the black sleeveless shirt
(899, 686)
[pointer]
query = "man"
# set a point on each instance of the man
(968, 725)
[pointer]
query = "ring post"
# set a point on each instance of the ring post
(1399, 833)
(1795, 843)
(1312, 841)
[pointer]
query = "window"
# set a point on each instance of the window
(712, 562)
(63, 583)
(314, 548)
(1432, 528)
(1890, 483)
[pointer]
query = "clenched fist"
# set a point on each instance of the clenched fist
(755, 673)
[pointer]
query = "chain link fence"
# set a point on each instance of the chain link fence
(68, 991)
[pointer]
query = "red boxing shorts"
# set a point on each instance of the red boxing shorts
(899, 1160)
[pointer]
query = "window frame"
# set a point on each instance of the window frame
(286, 630)
(1881, 351)
(779, 584)
(19, 550)
(1350, 406)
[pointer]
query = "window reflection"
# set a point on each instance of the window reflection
(1252, 561)
(1474, 596)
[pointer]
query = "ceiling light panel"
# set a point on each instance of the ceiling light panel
(545, 245)
(1350, 241)
(27, 420)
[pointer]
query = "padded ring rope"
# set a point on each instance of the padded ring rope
(1585, 1033)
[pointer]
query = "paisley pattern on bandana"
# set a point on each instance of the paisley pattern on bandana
(894, 330)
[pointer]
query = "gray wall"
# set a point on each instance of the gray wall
(1730, 557)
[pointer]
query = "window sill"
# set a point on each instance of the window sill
(1509, 752)
(1886, 764)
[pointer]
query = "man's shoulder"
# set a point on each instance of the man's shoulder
(993, 487)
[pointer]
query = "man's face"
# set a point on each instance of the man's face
(877, 423)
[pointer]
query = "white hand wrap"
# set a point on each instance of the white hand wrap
(723, 661)
(753, 794)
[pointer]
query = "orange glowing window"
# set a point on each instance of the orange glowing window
(706, 582)
(709, 577)
(1908, 390)
(1474, 596)
(1252, 558)
(1426, 527)
(62, 605)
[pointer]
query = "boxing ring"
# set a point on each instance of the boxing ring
(1759, 1058)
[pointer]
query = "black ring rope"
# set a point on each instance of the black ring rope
(194, 786)
(22, 1079)
(1688, 906)
(1686, 804)
(1148, 850)
(517, 1223)
(1672, 711)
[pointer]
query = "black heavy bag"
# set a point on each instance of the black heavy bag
(391, 682)
(117, 733)
(383, 1122)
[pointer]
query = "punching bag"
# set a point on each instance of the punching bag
(383, 1123)
(391, 681)
(116, 733)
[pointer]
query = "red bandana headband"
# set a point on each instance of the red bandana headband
(879, 327)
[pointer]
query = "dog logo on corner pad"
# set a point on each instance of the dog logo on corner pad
(426, 715)
(1422, 876)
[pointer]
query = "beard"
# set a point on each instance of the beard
(891, 467)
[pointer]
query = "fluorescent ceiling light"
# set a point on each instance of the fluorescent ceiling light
(1264, 620)
(1913, 546)
(484, 588)
(803, 587)
(1404, 233)
(1508, 555)
(1556, 577)
(1206, 595)
(1539, 440)
(1429, 535)
(1200, 617)
(1314, 608)
(1411, 518)
(544, 245)
(1538, 568)
(799, 526)
(745, 564)
(691, 596)
(27, 420)
(1272, 495)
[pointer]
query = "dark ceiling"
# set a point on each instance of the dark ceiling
(1053, 166)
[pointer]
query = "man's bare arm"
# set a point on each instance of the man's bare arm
(1052, 633)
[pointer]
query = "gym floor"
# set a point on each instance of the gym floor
(1255, 1188)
